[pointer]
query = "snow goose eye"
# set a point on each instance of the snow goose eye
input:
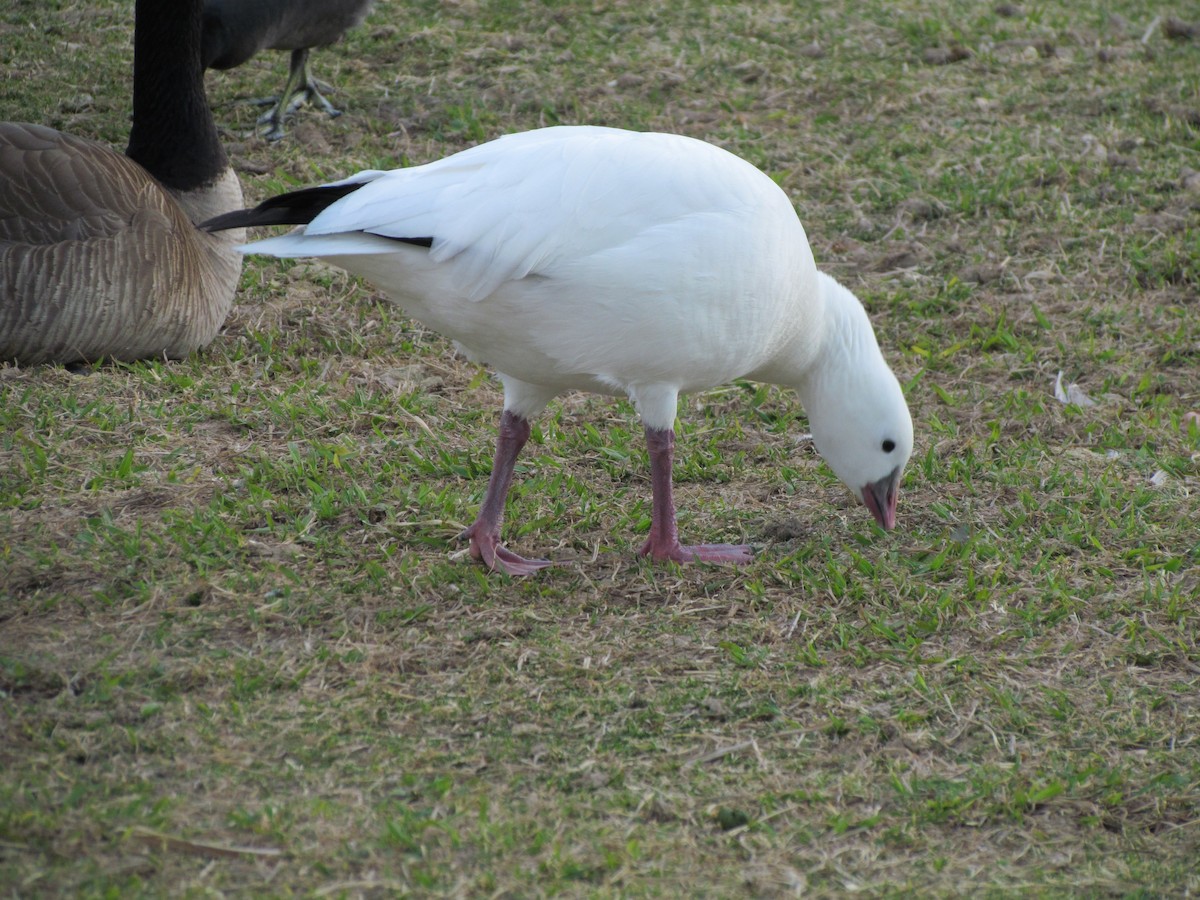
(889, 445)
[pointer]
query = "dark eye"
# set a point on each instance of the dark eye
(889, 446)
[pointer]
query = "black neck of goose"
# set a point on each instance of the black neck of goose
(173, 137)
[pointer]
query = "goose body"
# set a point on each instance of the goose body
(236, 30)
(99, 256)
(636, 264)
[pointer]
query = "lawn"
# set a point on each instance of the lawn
(242, 653)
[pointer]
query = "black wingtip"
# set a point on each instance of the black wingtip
(236, 219)
(294, 208)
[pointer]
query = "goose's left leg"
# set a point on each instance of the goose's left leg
(663, 542)
(311, 88)
(484, 533)
(300, 87)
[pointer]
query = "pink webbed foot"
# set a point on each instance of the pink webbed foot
(663, 542)
(721, 554)
(484, 533)
(487, 549)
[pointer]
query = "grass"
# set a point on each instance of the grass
(242, 654)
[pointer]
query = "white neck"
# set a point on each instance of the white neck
(848, 351)
(837, 334)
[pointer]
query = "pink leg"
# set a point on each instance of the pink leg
(663, 542)
(484, 533)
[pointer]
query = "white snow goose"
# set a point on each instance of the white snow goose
(626, 263)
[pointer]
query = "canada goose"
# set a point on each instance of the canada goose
(579, 258)
(235, 30)
(99, 256)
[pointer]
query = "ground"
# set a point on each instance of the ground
(241, 652)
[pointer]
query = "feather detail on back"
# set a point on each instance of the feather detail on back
(96, 260)
(496, 223)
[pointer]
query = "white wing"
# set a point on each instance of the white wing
(528, 203)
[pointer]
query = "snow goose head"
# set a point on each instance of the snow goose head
(859, 419)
